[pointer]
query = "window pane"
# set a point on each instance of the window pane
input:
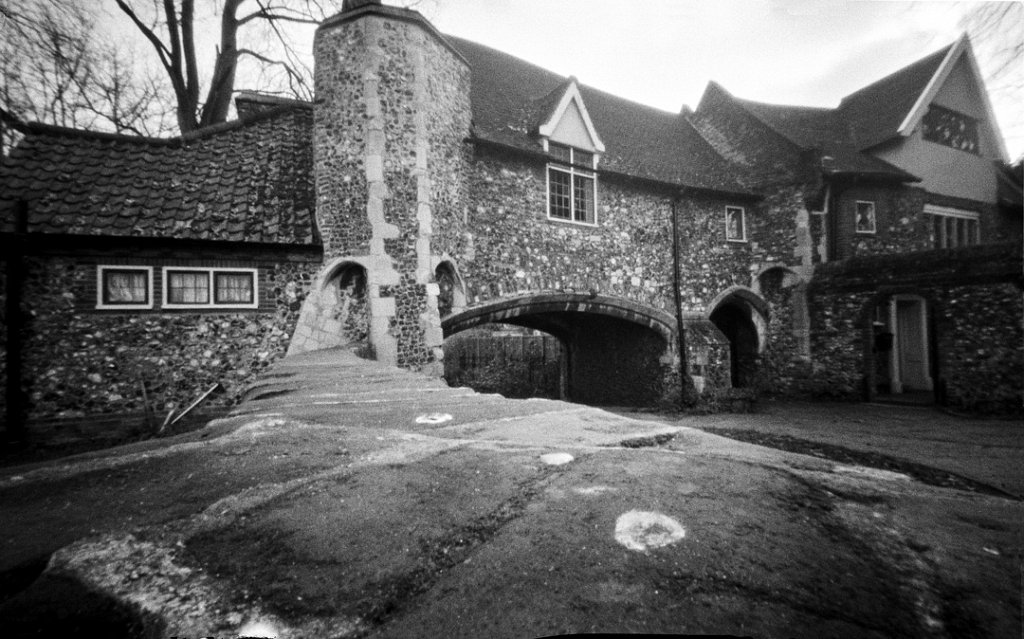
(125, 287)
(559, 152)
(583, 158)
(558, 197)
(865, 217)
(233, 288)
(583, 199)
(188, 287)
(735, 224)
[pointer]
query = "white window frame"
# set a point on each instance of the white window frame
(101, 269)
(947, 212)
(743, 220)
(211, 271)
(572, 170)
(874, 217)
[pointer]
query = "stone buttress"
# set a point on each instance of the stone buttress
(392, 112)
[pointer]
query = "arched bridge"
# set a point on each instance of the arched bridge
(617, 351)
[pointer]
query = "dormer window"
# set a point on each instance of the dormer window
(572, 185)
(951, 128)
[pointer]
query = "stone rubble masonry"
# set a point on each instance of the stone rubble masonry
(80, 361)
(974, 303)
(392, 113)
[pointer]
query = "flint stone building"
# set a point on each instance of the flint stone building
(435, 184)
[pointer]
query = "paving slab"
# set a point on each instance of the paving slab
(346, 499)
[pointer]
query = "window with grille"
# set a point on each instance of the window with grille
(953, 227)
(951, 128)
(189, 287)
(572, 185)
(124, 287)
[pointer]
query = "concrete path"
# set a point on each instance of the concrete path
(348, 499)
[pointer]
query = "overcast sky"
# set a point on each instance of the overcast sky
(663, 52)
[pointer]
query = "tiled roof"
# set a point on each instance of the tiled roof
(862, 120)
(825, 130)
(511, 97)
(245, 181)
(873, 114)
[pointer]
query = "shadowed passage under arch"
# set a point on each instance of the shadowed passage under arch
(617, 352)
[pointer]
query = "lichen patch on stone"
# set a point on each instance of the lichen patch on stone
(643, 530)
(434, 418)
(556, 459)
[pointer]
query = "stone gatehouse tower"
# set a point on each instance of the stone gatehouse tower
(391, 115)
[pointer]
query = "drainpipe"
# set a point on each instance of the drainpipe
(681, 337)
(15, 430)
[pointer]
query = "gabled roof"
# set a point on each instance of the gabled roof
(566, 95)
(882, 111)
(826, 131)
(874, 114)
(886, 109)
(245, 181)
(510, 99)
(813, 134)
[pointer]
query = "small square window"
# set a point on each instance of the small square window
(124, 287)
(735, 224)
(865, 217)
(234, 287)
(187, 287)
(191, 287)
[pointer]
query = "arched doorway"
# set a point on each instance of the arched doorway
(351, 308)
(734, 320)
(445, 277)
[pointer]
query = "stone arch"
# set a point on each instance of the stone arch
(739, 293)
(742, 316)
(617, 352)
(900, 344)
(336, 310)
(451, 296)
(511, 308)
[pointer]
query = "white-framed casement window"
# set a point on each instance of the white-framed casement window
(864, 217)
(953, 227)
(197, 287)
(735, 224)
(124, 287)
(572, 185)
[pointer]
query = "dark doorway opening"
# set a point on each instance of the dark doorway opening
(352, 308)
(735, 323)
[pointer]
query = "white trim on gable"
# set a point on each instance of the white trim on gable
(571, 95)
(961, 48)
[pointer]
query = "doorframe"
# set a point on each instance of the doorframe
(895, 365)
(880, 298)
